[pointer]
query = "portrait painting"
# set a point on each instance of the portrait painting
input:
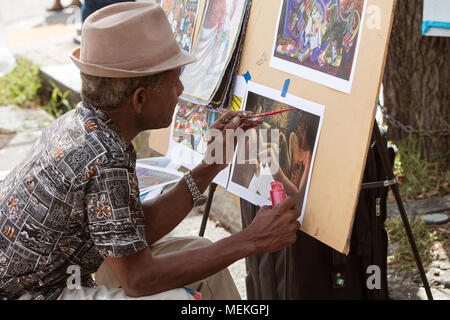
(285, 145)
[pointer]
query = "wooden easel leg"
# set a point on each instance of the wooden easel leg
(382, 150)
(212, 189)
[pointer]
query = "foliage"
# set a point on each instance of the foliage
(58, 103)
(22, 86)
(420, 177)
(424, 238)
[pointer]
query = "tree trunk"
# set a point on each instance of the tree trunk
(416, 83)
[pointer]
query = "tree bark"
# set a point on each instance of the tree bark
(416, 82)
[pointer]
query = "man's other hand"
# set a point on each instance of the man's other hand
(274, 228)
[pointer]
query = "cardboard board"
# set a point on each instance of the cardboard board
(159, 140)
(347, 122)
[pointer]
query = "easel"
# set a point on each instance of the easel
(391, 182)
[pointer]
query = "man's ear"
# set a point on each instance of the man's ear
(139, 100)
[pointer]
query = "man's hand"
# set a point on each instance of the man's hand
(223, 136)
(274, 228)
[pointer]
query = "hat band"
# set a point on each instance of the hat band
(139, 64)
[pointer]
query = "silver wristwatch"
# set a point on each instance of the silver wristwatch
(197, 197)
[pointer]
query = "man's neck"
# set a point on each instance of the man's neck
(124, 123)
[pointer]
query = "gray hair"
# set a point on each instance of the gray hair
(108, 93)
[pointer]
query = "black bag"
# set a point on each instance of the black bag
(319, 272)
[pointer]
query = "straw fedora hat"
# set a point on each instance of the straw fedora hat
(128, 39)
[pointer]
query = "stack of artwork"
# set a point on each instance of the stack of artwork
(154, 174)
(217, 48)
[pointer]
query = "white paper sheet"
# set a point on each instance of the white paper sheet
(245, 181)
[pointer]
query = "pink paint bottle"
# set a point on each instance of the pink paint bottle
(277, 193)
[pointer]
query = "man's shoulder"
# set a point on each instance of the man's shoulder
(101, 145)
(82, 137)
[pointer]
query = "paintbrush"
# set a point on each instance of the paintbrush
(245, 117)
(266, 114)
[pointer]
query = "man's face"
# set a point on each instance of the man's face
(161, 103)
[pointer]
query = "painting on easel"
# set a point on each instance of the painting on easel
(319, 40)
(282, 148)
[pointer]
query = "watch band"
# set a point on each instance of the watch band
(192, 186)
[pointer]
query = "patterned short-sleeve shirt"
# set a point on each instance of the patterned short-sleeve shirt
(73, 201)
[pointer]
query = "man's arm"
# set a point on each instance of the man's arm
(165, 212)
(142, 274)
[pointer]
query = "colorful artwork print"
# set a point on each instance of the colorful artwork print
(160, 162)
(181, 15)
(288, 159)
(191, 125)
(213, 48)
(320, 35)
(151, 177)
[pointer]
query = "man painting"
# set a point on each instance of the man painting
(73, 203)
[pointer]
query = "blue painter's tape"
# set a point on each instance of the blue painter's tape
(143, 196)
(426, 25)
(247, 76)
(285, 87)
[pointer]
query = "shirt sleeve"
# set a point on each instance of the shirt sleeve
(115, 215)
